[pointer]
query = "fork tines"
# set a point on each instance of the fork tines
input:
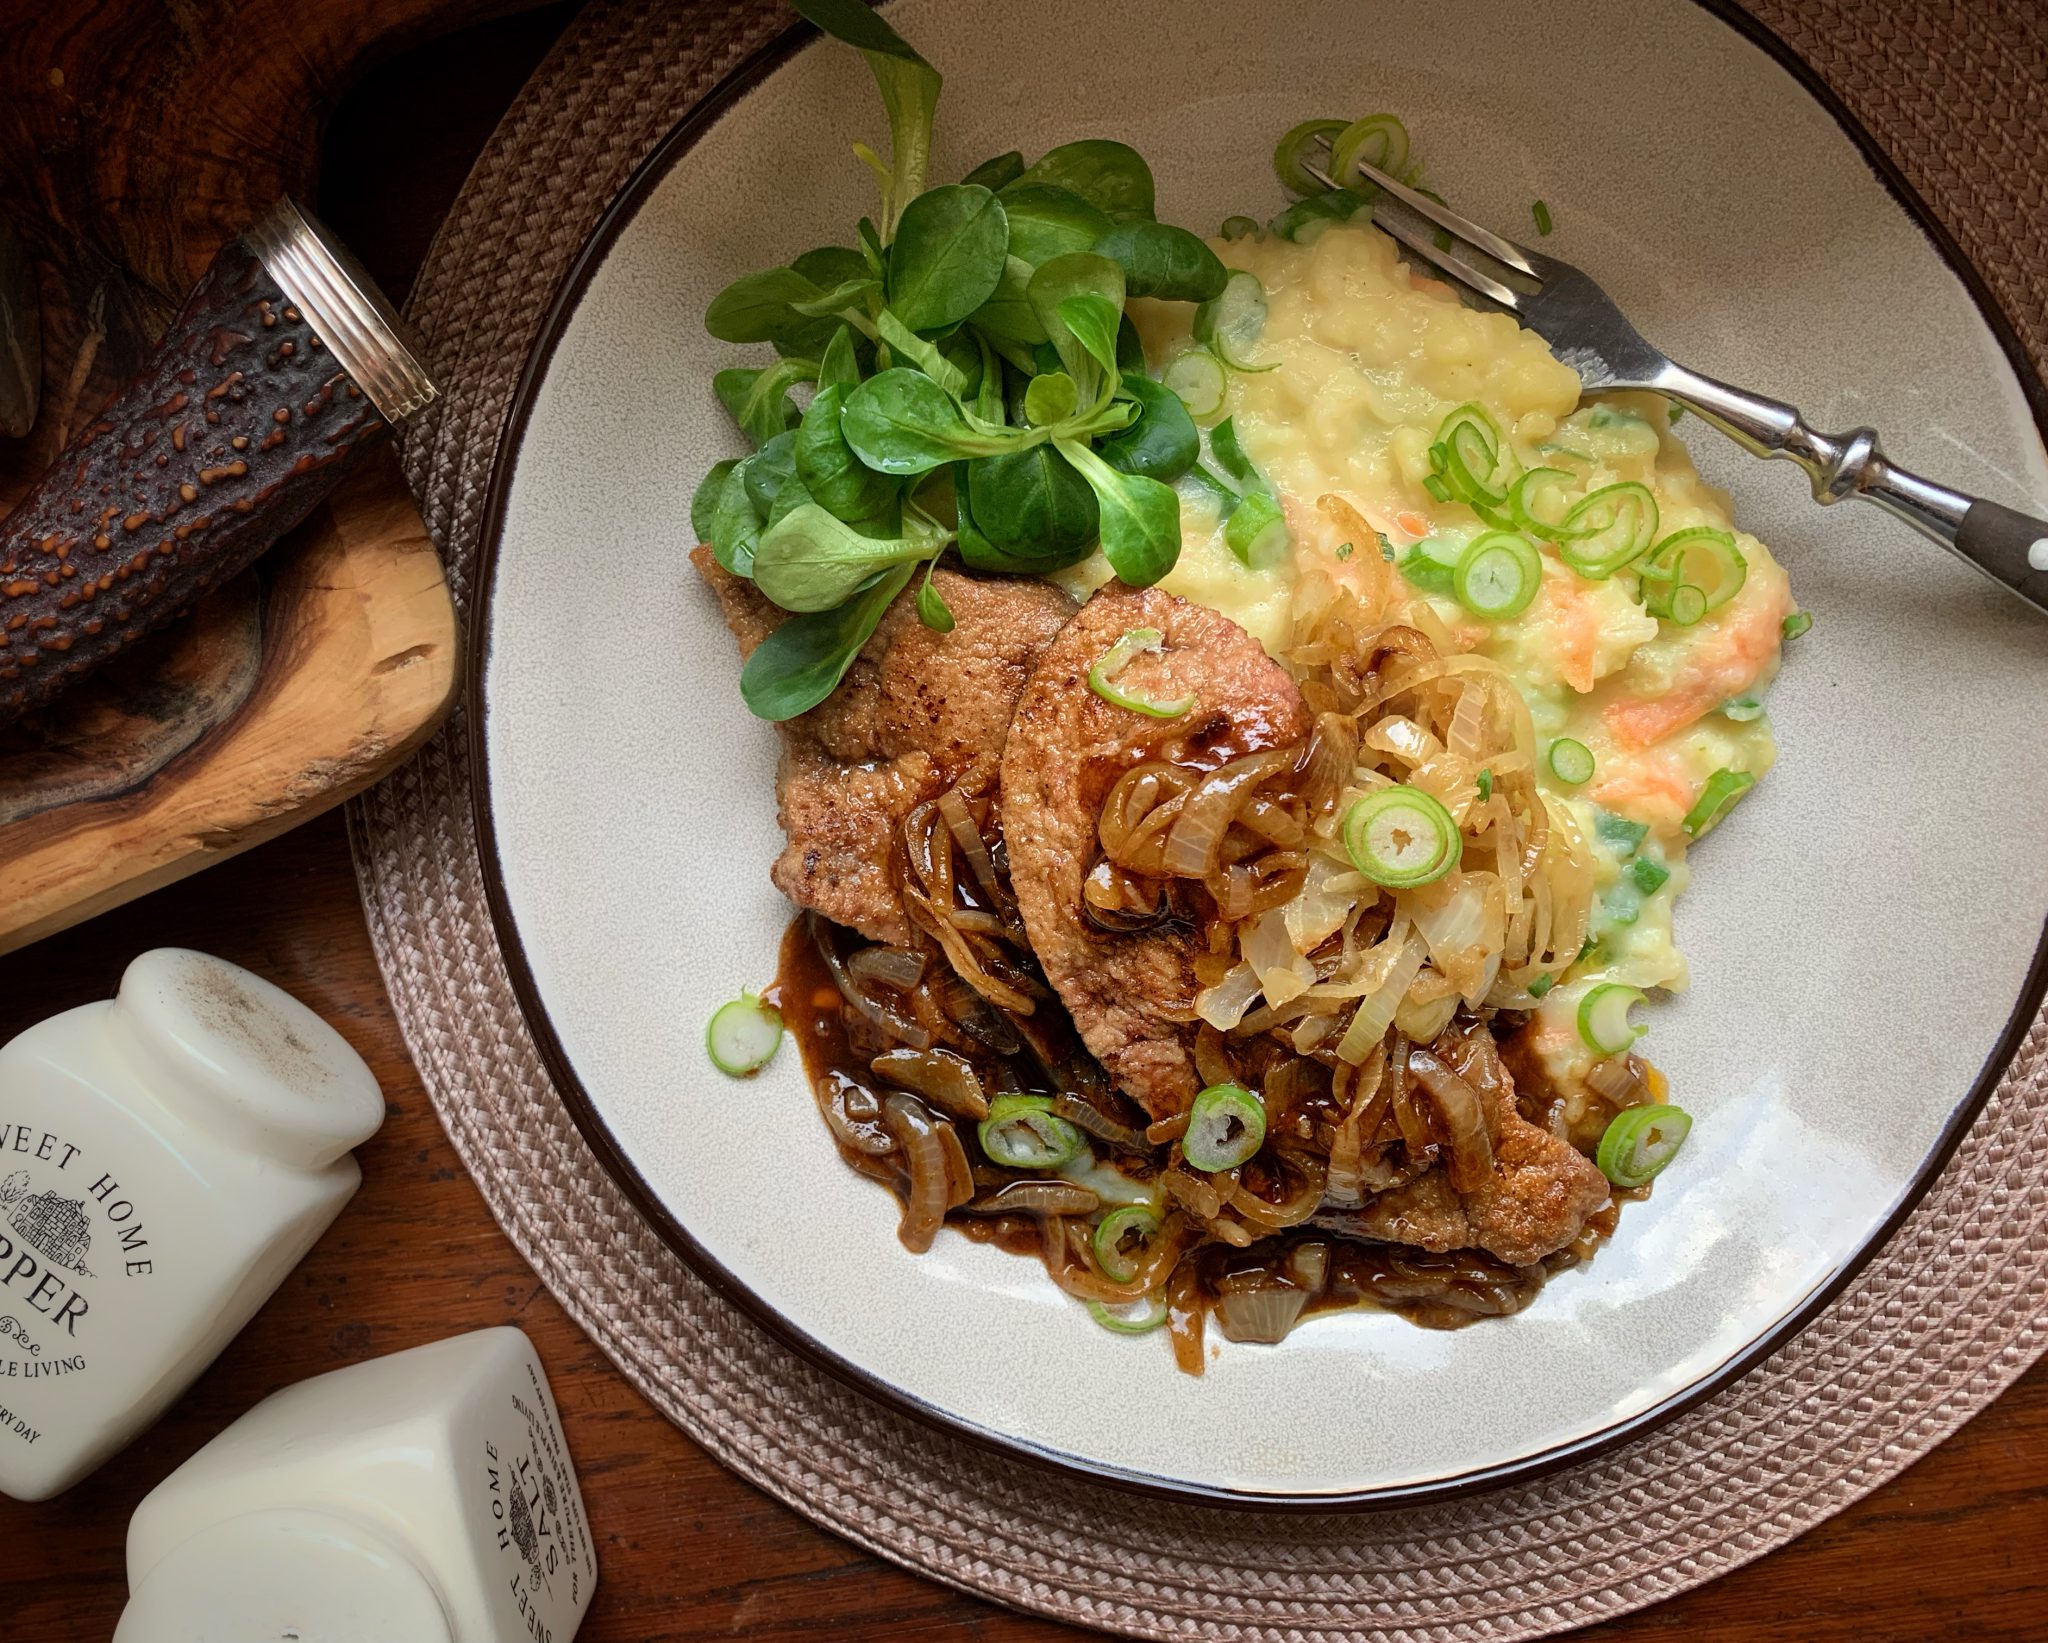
(1502, 250)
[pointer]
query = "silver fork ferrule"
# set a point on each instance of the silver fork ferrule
(351, 316)
(1836, 465)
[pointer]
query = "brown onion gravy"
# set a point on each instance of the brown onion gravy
(1440, 1291)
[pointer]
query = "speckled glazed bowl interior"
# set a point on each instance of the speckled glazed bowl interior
(1861, 932)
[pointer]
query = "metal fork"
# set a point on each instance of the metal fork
(1589, 333)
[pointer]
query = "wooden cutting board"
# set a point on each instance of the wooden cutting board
(133, 142)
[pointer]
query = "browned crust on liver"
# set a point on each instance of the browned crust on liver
(1538, 1199)
(917, 712)
(1131, 996)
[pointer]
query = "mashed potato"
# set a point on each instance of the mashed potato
(1367, 360)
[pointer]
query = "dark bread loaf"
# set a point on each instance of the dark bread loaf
(236, 428)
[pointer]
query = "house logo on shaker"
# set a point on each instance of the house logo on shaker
(525, 1534)
(57, 1226)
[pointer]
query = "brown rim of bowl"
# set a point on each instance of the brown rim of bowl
(748, 74)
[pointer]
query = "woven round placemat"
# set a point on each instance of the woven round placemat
(1946, 1317)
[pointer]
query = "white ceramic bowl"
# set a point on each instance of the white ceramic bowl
(1862, 932)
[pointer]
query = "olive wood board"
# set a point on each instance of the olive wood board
(279, 697)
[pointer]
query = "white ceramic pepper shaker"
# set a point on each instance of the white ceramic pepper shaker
(426, 1497)
(166, 1158)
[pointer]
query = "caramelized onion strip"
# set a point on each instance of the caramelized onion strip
(1195, 845)
(1460, 1122)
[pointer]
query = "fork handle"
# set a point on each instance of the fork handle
(2009, 546)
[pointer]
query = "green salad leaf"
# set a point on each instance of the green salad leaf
(1160, 260)
(759, 399)
(1111, 176)
(1080, 274)
(976, 386)
(932, 609)
(704, 501)
(771, 473)
(902, 422)
(735, 523)
(928, 357)
(839, 364)
(948, 256)
(802, 661)
(810, 559)
(997, 172)
(760, 307)
(1050, 398)
(835, 478)
(1027, 513)
(1047, 222)
(910, 95)
(1140, 517)
(1163, 443)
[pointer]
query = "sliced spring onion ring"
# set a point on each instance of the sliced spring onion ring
(1316, 212)
(1300, 144)
(1744, 708)
(1612, 527)
(744, 1035)
(1640, 1142)
(1102, 676)
(1133, 1220)
(1205, 484)
(1681, 606)
(1226, 1126)
(1484, 785)
(1430, 564)
(1541, 985)
(1474, 462)
(1236, 228)
(1131, 1317)
(1229, 451)
(1401, 837)
(1699, 557)
(1647, 876)
(1604, 1026)
(1256, 531)
(1723, 788)
(1230, 323)
(1534, 506)
(1497, 575)
(1540, 213)
(1795, 624)
(1023, 1132)
(1197, 377)
(1379, 139)
(1571, 761)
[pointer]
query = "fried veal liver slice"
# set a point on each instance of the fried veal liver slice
(917, 712)
(1536, 1201)
(1131, 996)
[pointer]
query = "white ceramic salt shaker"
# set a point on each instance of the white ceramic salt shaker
(166, 1158)
(426, 1497)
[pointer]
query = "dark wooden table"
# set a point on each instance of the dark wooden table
(1955, 1548)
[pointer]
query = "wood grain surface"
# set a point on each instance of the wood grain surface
(1952, 1549)
(334, 662)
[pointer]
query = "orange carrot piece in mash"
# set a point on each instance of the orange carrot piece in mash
(1653, 789)
(1735, 654)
